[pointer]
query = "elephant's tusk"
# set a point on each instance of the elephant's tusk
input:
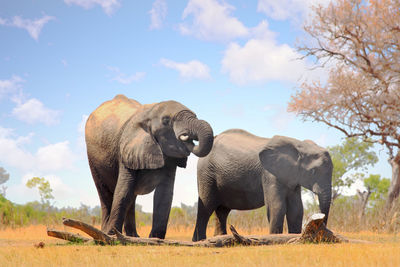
(184, 137)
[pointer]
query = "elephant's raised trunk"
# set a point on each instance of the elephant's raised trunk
(197, 130)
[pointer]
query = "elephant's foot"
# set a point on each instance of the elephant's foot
(198, 236)
(132, 234)
(157, 234)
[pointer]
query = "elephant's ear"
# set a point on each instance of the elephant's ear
(281, 158)
(138, 150)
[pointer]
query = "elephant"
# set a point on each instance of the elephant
(244, 171)
(134, 149)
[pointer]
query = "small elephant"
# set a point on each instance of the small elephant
(134, 149)
(244, 172)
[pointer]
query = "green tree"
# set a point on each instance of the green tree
(44, 189)
(377, 186)
(377, 189)
(350, 156)
(177, 217)
(4, 176)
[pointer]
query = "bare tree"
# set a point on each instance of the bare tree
(362, 94)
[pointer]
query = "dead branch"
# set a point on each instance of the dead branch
(76, 238)
(314, 231)
(273, 239)
(97, 234)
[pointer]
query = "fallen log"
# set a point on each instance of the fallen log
(272, 239)
(97, 234)
(314, 231)
(76, 238)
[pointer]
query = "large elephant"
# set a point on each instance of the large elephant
(134, 149)
(244, 171)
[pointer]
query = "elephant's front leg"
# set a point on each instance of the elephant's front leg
(294, 213)
(275, 200)
(130, 221)
(162, 204)
(122, 199)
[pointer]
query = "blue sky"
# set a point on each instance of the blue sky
(232, 62)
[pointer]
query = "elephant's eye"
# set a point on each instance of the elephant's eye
(166, 120)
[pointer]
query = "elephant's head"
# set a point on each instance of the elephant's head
(165, 129)
(303, 163)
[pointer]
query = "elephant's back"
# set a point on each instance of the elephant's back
(240, 142)
(104, 124)
(113, 113)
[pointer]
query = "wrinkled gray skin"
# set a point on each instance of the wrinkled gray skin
(134, 149)
(244, 171)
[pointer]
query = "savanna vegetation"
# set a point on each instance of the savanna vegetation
(360, 42)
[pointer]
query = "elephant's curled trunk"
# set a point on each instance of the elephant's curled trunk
(205, 136)
(198, 130)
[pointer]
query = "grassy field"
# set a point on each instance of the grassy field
(17, 249)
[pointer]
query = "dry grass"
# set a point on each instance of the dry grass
(16, 249)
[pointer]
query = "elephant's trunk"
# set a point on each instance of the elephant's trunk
(324, 199)
(198, 130)
(204, 133)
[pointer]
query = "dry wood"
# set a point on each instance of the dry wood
(97, 234)
(217, 241)
(314, 231)
(272, 239)
(67, 236)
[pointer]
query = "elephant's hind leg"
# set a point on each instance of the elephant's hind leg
(203, 215)
(105, 195)
(220, 223)
(294, 213)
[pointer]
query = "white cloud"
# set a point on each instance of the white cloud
(10, 86)
(34, 27)
(125, 78)
(55, 157)
(12, 152)
(212, 21)
(109, 6)
(192, 69)
(262, 60)
(33, 111)
(45, 162)
(295, 10)
(158, 13)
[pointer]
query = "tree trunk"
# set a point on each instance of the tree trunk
(394, 189)
(364, 196)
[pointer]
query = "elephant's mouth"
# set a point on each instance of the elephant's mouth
(187, 141)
